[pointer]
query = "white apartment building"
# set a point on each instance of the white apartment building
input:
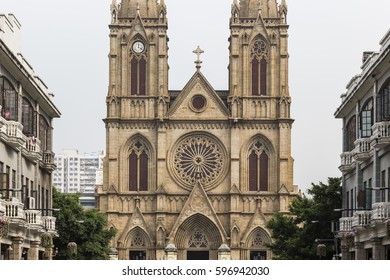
(365, 160)
(26, 157)
(75, 172)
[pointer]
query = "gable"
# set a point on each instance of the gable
(198, 203)
(198, 101)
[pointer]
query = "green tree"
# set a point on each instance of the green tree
(87, 228)
(296, 236)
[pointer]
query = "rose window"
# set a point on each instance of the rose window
(199, 158)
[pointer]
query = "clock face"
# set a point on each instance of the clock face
(138, 47)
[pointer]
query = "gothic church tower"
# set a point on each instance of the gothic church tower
(196, 173)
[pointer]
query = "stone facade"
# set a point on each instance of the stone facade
(196, 173)
(365, 161)
(26, 157)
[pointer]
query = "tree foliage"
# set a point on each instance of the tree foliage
(87, 228)
(295, 235)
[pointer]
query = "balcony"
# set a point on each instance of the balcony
(381, 211)
(361, 218)
(380, 135)
(34, 218)
(347, 162)
(362, 150)
(346, 224)
(12, 209)
(47, 161)
(49, 224)
(32, 149)
(12, 133)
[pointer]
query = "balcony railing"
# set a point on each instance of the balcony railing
(362, 149)
(33, 217)
(48, 161)
(361, 218)
(49, 223)
(380, 134)
(12, 132)
(33, 145)
(346, 224)
(32, 148)
(347, 162)
(381, 211)
(14, 209)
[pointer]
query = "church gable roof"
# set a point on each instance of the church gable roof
(198, 203)
(198, 100)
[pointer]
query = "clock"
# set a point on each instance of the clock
(138, 47)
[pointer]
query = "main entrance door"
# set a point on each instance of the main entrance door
(137, 255)
(198, 255)
(258, 255)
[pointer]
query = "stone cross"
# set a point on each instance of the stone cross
(198, 52)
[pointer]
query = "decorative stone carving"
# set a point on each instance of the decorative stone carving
(199, 157)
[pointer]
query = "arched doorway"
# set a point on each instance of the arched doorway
(138, 245)
(198, 238)
(257, 245)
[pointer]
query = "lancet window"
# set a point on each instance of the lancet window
(258, 167)
(259, 60)
(138, 167)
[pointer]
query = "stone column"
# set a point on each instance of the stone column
(345, 255)
(360, 253)
(33, 253)
(377, 249)
(16, 253)
(171, 252)
(224, 253)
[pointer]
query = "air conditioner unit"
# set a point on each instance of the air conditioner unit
(30, 202)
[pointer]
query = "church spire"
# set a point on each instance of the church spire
(283, 10)
(145, 8)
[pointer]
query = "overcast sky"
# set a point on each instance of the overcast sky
(67, 44)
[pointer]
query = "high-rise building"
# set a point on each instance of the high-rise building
(26, 155)
(365, 160)
(77, 173)
(197, 173)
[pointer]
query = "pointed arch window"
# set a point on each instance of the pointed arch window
(138, 71)
(29, 118)
(259, 60)
(366, 119)
(8, 100)
(258, 167)
(350, 134)
(138, 167)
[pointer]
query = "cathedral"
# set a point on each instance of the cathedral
(196, 173)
